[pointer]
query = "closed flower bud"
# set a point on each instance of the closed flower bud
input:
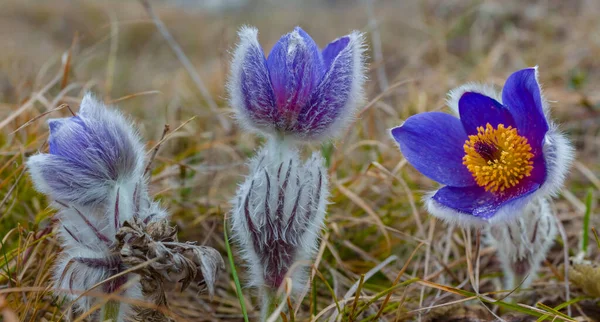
(94, 174)
(278, 215)
(90, 155)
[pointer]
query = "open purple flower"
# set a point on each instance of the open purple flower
(500, 153)
(299, 90)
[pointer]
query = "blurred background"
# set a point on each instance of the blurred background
(52, 51)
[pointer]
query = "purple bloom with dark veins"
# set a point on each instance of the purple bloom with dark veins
(298, 91)
(500, 153)
(278, 215)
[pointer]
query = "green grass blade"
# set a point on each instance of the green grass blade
(586, 221)
(385, 292)
(337, 304)
(557, 314)
(238, 287)
(327, 152)
(4, 266)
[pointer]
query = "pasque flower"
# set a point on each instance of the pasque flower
(94, 173)
(278, 215)
(299, 91)
(501, 152)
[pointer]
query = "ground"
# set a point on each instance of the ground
(54, 51)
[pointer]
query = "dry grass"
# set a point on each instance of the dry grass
(55, 50)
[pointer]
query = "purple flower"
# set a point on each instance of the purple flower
(299, 90)
(88, 155)
(94, 174)
(500, 152)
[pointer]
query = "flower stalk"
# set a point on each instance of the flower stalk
(110, 311)
(270, 302)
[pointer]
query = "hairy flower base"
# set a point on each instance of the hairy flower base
(278, 215)
(498, 158)
(523, 244)
(279, 250)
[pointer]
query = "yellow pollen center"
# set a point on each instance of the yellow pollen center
(498, 158)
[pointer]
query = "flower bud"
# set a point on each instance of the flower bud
(91, 155)
(278, 215)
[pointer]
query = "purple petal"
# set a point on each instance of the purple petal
(333, 101)
(65, 180)
(333, 49)
(56, 124)
(65, 134)
(539, 171)
(521, 93)
(96, 145)
(295, 66)
(257, 92)
(433, 142)
(478, 110)
(88, 153)
(479, 203)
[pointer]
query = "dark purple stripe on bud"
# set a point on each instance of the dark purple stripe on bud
(535, 228)
(71, 234)
(253, 231)
(112, 263)
(117, 219)
(269, 222)
(286, 232)
(93, 228)
(281, 200)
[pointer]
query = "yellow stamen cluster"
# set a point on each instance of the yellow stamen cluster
(498, 158)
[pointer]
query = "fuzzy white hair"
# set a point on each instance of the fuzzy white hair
(523, 244)
(248, 40)
(278, 215)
